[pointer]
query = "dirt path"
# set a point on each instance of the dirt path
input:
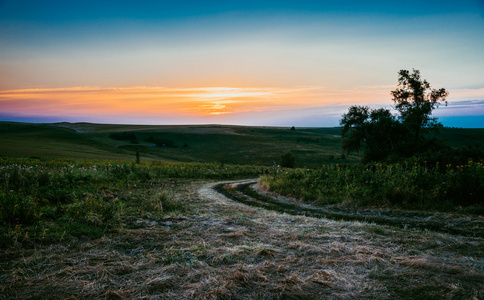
(223, 249)
(248, 192)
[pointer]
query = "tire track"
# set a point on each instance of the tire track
(246, 193)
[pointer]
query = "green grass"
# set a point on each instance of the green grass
(462, 137)
(95, 228)
(50, 141)
(233, 144)
(51, 200)
(410, 185)
(207, 143)
(313, 147)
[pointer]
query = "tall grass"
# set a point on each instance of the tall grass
(52, 199)
(414, 185)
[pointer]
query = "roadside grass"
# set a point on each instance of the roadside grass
(225, 250)
(63, 199)
(409, 185)
(462, 223)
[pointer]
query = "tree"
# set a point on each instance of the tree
(382, 134)
(414, 99)
(375, 130)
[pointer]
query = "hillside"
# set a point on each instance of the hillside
(189, 143)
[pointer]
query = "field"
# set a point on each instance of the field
(93, 223)
(312, 147)
(208, 143)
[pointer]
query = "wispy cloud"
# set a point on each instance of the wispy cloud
(300, 106)
(154, 100)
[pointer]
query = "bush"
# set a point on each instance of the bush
(288, 160)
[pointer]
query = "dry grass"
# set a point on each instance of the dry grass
(226, 250)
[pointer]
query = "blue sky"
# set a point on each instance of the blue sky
(288, 63)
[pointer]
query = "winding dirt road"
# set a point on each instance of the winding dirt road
(249, 193)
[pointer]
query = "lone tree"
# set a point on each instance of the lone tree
(382, 134)
(414, 99)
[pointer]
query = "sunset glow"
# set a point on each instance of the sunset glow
(251, 63)
(192, 101)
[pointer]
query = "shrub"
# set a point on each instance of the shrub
(288, 160)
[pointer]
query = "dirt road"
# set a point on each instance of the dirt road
(223, 249)
(248, 192)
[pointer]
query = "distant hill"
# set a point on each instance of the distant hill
(190, 143)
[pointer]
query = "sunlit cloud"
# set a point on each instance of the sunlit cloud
(159, 105)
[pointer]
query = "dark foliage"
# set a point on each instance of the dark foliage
(162, 142)
(288, 160)
(124, 137)
(384, 136)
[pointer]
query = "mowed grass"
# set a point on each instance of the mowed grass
(219, 249)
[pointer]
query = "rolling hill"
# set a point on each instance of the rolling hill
(189, 143)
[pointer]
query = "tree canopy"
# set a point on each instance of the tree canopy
(382, 134)
(414, 100)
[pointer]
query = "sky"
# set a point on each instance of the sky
(261, 63)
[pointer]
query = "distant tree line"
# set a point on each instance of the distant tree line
(124, 137)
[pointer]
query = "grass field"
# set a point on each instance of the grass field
(121, 230)
(417, 186)
(50, 141)
(79, 218)
(312, 147)
(222, 144)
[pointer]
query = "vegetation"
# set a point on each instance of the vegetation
(383, 135)
(412, 184)
(312, 147)
(64, 198)
(288, 160)
(210, 143)
(220, 249)
(124, 137)
(116, 229)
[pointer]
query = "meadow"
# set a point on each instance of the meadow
(80, 217)
(205, 143)
(121, 230)
(312, 147)
(48, 200)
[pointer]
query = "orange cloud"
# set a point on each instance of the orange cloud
(204, 101)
